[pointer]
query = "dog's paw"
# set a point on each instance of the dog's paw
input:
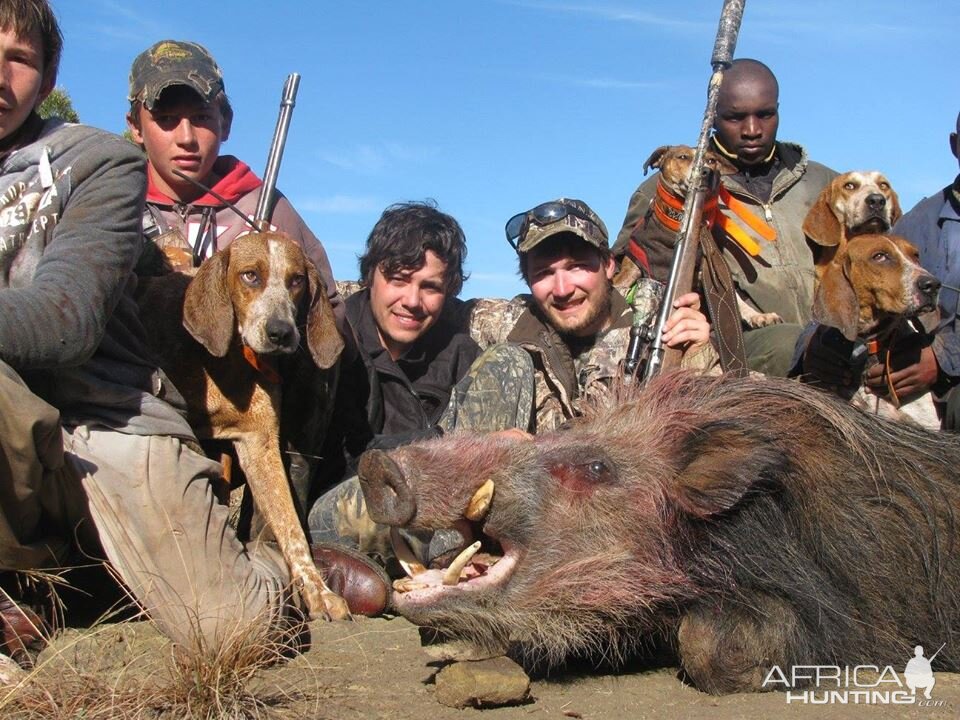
(763, 320)
(322, 602)
(334, 606)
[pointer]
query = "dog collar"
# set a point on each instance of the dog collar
(264, 367)
(882, 355)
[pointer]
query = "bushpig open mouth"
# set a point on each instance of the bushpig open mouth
(471, 570)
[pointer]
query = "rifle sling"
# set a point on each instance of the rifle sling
(720, 293)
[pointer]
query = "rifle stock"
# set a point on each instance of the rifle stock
(684, 266)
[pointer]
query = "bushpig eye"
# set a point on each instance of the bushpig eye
(582, 477)
(598, 471)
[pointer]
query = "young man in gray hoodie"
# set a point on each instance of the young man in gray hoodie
(96, 457)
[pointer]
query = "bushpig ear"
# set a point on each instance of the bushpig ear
(654, 160)
(207, 310)
(323, 338)
(835, 302)
(722, 464)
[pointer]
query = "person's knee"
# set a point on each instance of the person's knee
(770, 349)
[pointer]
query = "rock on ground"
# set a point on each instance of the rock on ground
(494, 682)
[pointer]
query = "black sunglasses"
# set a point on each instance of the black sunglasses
(545, 214)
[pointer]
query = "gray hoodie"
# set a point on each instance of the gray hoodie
(71, 204)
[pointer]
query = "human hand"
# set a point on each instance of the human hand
(914, 370)
(512, 434)
(686, 326)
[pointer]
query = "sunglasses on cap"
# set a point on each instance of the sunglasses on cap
(544, 214)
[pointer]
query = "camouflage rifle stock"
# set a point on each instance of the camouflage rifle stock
(681, 280)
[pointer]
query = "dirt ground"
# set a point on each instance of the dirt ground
(376, 668)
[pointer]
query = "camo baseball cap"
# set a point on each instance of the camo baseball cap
(174, 62)
(560, 216)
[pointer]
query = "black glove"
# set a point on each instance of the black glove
(833, 362)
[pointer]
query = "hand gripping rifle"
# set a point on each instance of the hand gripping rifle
(686, 253)
(261, 217)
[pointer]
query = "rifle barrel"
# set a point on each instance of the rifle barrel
(723, 48)
(272, 171)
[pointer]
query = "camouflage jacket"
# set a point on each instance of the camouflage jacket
(564, 382)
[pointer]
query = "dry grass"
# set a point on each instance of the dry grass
(126, 670)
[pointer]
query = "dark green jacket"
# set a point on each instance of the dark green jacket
(781, 280)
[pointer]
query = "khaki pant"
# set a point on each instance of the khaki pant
(770, 349)
(145, 504)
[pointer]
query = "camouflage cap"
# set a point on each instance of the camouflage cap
(579, 220)
(174, 62)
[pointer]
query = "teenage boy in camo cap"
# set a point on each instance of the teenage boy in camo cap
(180, 114)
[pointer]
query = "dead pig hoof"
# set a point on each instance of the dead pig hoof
(484, 683)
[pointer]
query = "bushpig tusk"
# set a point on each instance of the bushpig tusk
(480, 502)
(411, 566)
(451, 575)
(405, 585)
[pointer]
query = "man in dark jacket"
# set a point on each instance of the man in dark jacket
(418, 373)
(776, 182)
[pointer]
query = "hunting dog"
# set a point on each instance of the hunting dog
(655, 235)
(218, 335)
(853, 203)
(871, 290)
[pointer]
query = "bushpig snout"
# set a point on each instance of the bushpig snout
(390, 501)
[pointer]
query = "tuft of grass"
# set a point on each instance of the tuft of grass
(120, 671)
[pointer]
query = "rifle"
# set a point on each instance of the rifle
(265, 201)
(660, 357)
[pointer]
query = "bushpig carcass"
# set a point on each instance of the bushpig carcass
(750, 523)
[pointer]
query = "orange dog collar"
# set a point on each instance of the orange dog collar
(264, 367)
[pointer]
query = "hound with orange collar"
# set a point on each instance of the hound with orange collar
(874, 290)
(218, 335)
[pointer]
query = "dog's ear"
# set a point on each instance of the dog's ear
(718, 464)
(835, 302)
(821, 225)
(323, 338)
(207, 308)
(895, 212)
(724, 166)
(655, 157)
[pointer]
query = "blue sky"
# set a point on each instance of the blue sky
(492, 106)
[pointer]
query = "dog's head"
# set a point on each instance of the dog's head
(853, 203)
(675, 162)
(873, 280)
(264, 288)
